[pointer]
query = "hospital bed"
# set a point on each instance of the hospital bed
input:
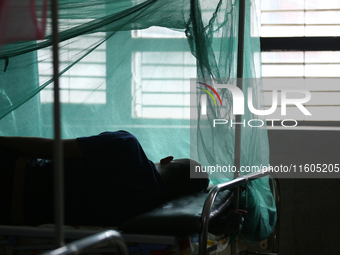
(198, 213)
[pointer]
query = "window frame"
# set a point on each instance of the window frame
(302, 44)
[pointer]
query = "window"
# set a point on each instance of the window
(84, 83)
(299, 46)
(173, 65)
(300, 18)
(161, 79)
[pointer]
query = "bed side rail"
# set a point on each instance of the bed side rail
(202, 249)
(101, 239)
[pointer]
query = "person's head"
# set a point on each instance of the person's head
(176, 174)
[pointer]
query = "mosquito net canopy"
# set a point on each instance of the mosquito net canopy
(127, 65)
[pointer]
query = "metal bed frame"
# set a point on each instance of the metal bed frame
(103, 238)
(137, 238)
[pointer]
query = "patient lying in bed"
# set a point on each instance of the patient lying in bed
(108, 179)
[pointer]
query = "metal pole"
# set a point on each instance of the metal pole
(237, 151)
(58, 150)
(240, 54)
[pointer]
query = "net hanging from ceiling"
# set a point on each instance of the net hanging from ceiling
(127, 64)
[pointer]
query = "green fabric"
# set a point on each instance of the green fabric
(261, 214)
(95, 27)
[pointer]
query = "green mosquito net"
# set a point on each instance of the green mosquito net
(127, 65)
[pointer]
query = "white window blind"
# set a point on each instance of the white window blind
(287, 18)
(300, 18)
(161, 84)
(85, 82)
(161, 79)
